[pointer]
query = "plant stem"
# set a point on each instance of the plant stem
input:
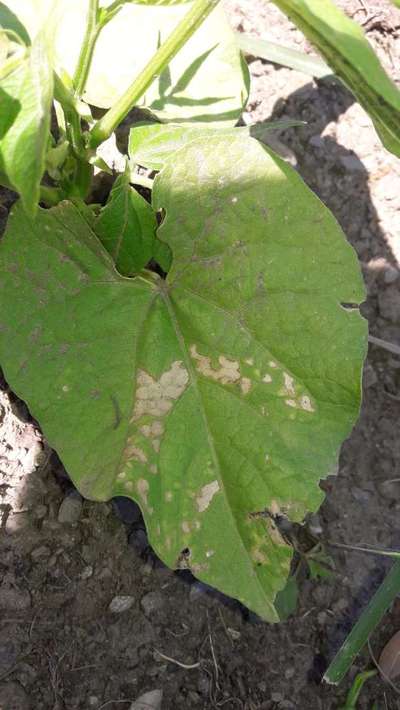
(188, 25)
(355, 690)
(367, 622)
(86, 53)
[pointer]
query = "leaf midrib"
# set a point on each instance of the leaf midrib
(210, 439)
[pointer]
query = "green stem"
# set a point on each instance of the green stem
(86, 53)
(355, 690)
(188, 25)
(367, 622)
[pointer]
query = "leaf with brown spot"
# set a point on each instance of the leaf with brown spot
(207, 396)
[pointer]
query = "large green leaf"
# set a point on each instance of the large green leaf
(126, 226)
(343, 44)
(26, 94)
(218, 398)
(206, 81)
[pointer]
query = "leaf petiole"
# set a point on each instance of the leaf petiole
(93, 28)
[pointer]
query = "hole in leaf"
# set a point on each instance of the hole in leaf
(350, 306)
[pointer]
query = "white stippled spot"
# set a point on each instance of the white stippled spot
(121, 476)
(146, 430)
(291, 403)
(234, 200)
(305, 403)
(134, 452)
(128, 485)
(156, 443)
(210, 553)
(245, 385)
(267, 378)
(168, 496)
(289, 384)
(249, 361)
(272, 364)
(185, 527)
(157, 428)
(207, 493)
(65, 388)
(267, 458)
(228, 373)
(142, 488)
(153, 468)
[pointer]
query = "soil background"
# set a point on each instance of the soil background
(64, 561)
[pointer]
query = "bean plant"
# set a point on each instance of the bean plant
(194, 341)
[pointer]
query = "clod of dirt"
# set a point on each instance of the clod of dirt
(389, 660)
(148, 701)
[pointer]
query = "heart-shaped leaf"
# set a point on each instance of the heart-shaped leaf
(126, 227)
(207, 80)
(216, 398)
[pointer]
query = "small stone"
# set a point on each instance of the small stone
(14, 697)
(148, 701)
(17, 522)
(317, 141)
(391, 274)
(40, 553)
(86, 572)
(93, 701)
(352, 163)
(120, 604)
(70, 509)
(322, 617)
(233, 633)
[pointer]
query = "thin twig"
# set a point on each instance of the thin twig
(186, 666)
(390, 347)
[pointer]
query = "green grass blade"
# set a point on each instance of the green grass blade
(278, 54)
(343, 45)
(367, 622)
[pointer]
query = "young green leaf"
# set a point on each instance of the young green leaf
(342, 43)
(216, 398)
(126, 227)
(26, 95)
(153, 144)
